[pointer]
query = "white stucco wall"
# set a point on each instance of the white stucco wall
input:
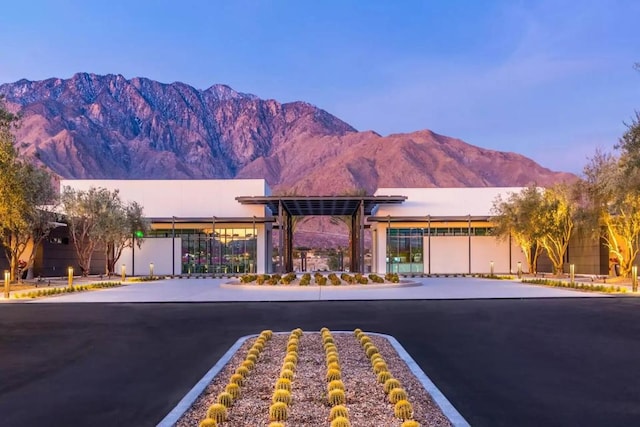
(449, 254)
(184, 198)
(156, 251)
(443, 201)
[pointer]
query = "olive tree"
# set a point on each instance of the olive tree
(518, 217)
(557, 220)
(614, 207)
(98, 218)
(27, 201)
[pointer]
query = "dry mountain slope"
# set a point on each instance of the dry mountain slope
(92, 126)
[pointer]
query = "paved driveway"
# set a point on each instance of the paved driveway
(518, 362)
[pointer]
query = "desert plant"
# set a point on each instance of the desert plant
(281, 395)
(233, 389)
(283, 384)
(384, 376)
(298, 332)
(289, 365)
(278, 412)
(397, 394)
(340, 422)
(292, 347)
(267, 333)
(390, 384)
(379, 367)
(338, 411)
(333, 365)
(252, 357)
(357, 332)
(321, 280)
(237, 379)
(248, 364)
(403, 410)
(291, 357)
(208, 422)
(276, 424)
(410, 423)
(375, 278)
(335, 384)
(226, 399)
(333, 374)
(331, 358)
(254, 351)
(336, 397)
(364, 340)
(371, 351)
(243, 371)
(286, 373)
(217, 412)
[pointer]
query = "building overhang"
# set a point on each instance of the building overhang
(321, 205)
(428, 218)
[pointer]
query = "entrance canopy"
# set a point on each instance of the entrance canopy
(321, 205)
(356, 207)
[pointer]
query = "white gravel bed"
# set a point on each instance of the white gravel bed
(366, 400)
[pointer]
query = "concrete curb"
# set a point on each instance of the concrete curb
(457, 420)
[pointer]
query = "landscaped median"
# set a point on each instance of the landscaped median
(318, 279)
(46, 292)
(311, 379)
(580, 286)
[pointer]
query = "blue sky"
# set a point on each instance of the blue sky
(552, 80)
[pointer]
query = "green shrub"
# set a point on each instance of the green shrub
(334, 279)
(248, 278)
(375, 278)
(348, 278)
(392, 277)
(321, 280)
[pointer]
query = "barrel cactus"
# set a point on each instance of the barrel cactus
(291, 357)
(379, 367)
(336, 397)
(357, 332)
(252, 357)
(287, 373)
(338, 411)
(248, 364)
(242, 370)
(397, 394)
(281, 395)
(341, 422)
(371, 351)
(384, 376)
(410, 423)
(278, 412)
(390, 384)
(289, 365)
(283, 384)
(226, 399)
(364, 339)
(253, 352)
(403, 410)
(217, 412)
(298, 332)
(276, 424)
(233, 389)
(208, 422)
(267, 334)
(333, 365)
(332, 358)
(237, 379)
(335, 384)
(333, 374)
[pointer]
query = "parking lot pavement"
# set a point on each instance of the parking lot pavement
(501, 362)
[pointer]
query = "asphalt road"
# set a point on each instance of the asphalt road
(544, 362)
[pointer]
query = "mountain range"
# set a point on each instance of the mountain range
(107, 126)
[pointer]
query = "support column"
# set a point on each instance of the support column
(469, 233)
(281, 239)
(173, 246)
(289, 241)
(361, 245)
(353, 262)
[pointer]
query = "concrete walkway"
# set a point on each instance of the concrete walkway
(210, 290)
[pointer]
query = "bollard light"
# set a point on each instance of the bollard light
(151, 270)
(491, 268)
(572, 272)
(70, 271)
(519, 269)
(7, 279)
(634, 278)
(123, 272)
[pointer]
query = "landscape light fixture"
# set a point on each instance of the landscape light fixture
(151, 270)
(634, 278)
(7, 278)
(70, 271)
(519, 269)
(123, 272)
(491, 268)
(572, 272)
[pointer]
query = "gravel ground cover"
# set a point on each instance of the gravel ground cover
(366, 401)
